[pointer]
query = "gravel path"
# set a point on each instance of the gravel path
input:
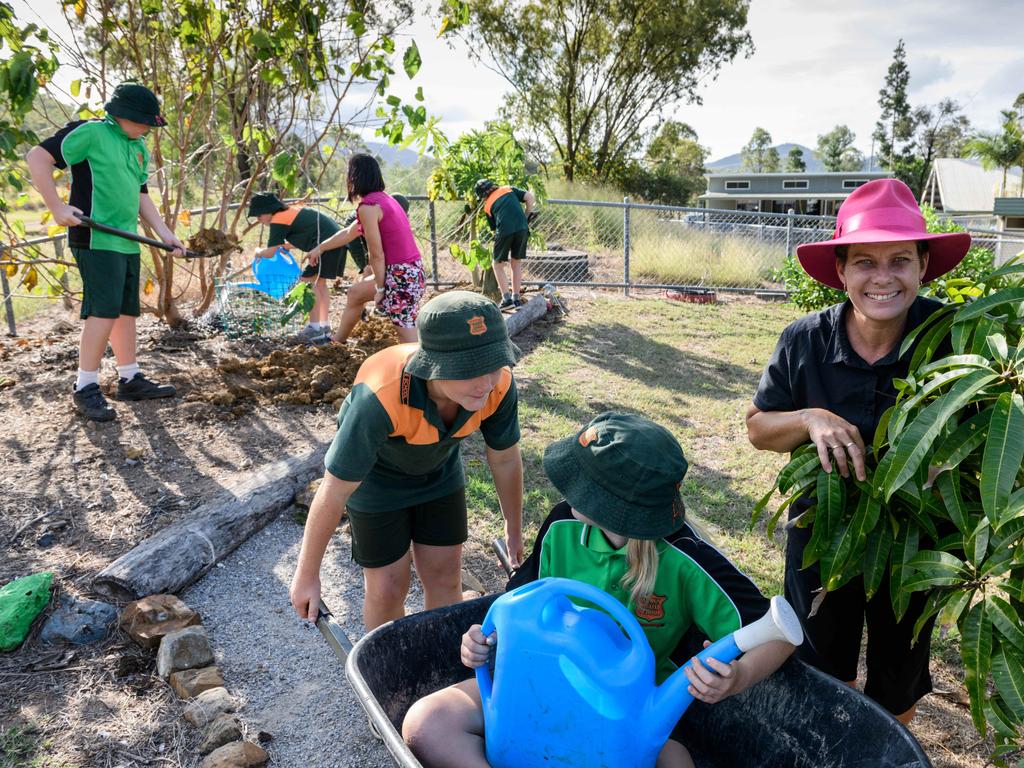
(291, 684)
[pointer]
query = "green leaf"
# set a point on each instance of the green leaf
(948, 484)
(906, 408)
(930, 343)
(1006, 619)
(904, 548)
(759, 507)
(76, 87)
(997, 346)
(959, 337)
(1004, 452)
(931, 607)
(999, 720)
(933, 569)
(960, 443)
(976, 545)
(911, 338)
(412, 61)
(804, 463)
(876, 555)
(912, 446)
(981, 306)
(956, 602)
(1008, 673)
(848, 540)
(881, 431)
(976, 652)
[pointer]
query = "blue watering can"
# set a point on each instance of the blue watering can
(275, 276)
(574, 686)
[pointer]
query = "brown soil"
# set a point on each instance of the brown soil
(213, 242)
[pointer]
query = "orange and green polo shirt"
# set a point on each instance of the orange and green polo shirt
(504, 211)
(391, 438)
(305, 228)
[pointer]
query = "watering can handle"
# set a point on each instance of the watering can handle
(285, 254)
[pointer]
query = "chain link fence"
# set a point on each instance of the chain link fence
(621, 245)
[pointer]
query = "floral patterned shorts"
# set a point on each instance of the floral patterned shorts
(404, 286)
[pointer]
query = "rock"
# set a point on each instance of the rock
(189, 683)
(79, 621)
(20, 602)
(208, 705)
(470, 594)
(239, 754)
(223, 730)
(304, 498)
(46, 540)
(147, 620)
(187, 648)
(471, 582)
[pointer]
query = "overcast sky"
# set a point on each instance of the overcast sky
(817, 63)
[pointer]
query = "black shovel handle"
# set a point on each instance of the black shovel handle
(99, 227)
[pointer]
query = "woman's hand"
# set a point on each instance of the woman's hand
(476, 648)
(713, 681)
(834, 435)
(313, 256)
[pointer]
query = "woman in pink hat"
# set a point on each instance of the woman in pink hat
(828, 382)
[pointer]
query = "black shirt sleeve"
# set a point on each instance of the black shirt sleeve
(530, 569)
(52, 144)
(775, 390)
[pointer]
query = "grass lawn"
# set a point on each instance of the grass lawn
(692, 368)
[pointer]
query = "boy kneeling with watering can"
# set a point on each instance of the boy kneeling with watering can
(621, 528)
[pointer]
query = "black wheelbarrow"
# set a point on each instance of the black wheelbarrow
(797, 718)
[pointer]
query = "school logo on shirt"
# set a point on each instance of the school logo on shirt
(650, 608)
(588, 436)
(477, 326)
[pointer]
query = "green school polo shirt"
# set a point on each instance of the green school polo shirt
(108, 173)
(507, 213)
(391, 438)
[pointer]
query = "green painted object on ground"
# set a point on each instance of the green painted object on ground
(20, 602)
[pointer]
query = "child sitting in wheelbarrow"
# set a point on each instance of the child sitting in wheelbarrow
(621, 528)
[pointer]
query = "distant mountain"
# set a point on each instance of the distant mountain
(734, 163)
(392, 155)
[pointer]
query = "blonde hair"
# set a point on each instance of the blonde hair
(642, 556)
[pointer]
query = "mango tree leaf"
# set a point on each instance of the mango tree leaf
(956, 602)
(911, 338)
(412, 61)
(904, 547)
(976, 652)
(876, 555)
(933, 569)
(981, 306)
(962, 441)
(848, 540)
(1006, 619)
(931, 607)
(1004, 451)
(802, 465)
(1008, 673)
(930, 343)
(999, 720)
(976, 545)
(906, 408)
(997, 346)
(912, 446)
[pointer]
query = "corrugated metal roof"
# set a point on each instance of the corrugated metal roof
(744, 194)
(1009, 206)
(966, 187)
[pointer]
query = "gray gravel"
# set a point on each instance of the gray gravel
(281, 669)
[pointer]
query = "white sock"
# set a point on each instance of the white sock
(85, 378)
(127, 372)
(322, 326)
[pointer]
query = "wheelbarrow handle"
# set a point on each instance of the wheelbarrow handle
(100, 227)
(333, 633)
(501, 550)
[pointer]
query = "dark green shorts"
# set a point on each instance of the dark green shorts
(110, 282)
(381, 538)
(332, 264)
(513, 245)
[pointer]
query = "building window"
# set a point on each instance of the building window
(794, 184)
(853, 183)
(737, 185)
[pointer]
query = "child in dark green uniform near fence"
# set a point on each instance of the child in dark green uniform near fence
(510, 223)
(109, 166)
(396, 463)
(304, 228)
(621, 528)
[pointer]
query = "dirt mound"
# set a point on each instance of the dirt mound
(213, 242)
(293, 375)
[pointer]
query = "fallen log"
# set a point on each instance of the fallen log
(181, 553)
(534, 309)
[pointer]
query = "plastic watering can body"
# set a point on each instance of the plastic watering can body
(275, 275)
(574, 686)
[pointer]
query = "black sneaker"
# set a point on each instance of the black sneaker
(141, 388)
(91, 403)
(517, 302)
(507, 303)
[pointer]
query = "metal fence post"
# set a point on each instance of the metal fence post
(625, 244)
(433, 242)
(12, 329)
(789, 233)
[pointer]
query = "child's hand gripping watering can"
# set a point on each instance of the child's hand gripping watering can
(574, 686)
(276, 275)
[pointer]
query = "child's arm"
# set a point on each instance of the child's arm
(338, 239)
(529, 202)
(507, 471)
(149, 214)
(718, 681)
(40, 168)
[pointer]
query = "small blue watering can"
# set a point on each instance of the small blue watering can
(574, 686)
(276, 275)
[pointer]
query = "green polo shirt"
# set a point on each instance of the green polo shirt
(696, 585)
(392, 440)
(304, 228)
(108, 173)
(507, 215)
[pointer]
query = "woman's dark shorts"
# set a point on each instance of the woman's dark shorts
(381, 538)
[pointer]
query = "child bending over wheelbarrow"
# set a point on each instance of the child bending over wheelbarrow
(622, 529)
(395, 461)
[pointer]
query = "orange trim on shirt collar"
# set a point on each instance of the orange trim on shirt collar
(493, 198)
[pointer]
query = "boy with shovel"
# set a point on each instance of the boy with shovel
(109, 168)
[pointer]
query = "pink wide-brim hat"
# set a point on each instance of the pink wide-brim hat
(882, 211)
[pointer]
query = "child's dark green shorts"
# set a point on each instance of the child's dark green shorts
(110, 282)
(381, 538)
(513, 245)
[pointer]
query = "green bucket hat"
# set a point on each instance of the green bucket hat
(462, 336)
(137, 103)
(623, 472)
(403, 201)
(265, 202)
(483, 188)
